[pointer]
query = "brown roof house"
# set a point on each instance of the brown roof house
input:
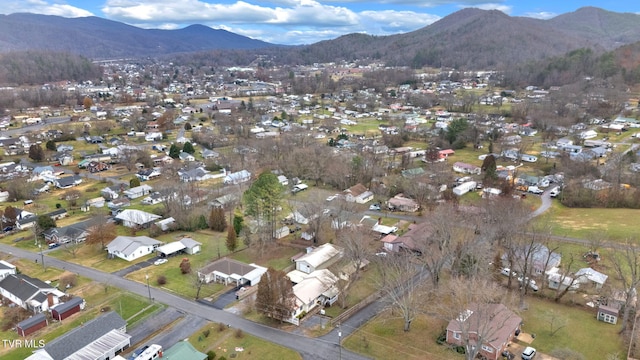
(488, 326)
(359, 194)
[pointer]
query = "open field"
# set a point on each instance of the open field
(618, 224)
(226, 342)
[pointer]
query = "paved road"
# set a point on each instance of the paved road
(316, 349)
(546, 202)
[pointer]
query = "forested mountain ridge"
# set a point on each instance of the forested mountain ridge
(99, 38)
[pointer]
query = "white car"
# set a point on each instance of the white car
(332, 197)
(374, 207)
(160, 261)
(528, 353)
(507, 271)
(531, 282)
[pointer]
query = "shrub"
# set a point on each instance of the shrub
(162, 280)
(68, 279)
(239, 334)
(211, 355)
(460, 350)
(442, 338)
(206, 333)
(222, 327)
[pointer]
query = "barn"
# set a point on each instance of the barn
(66, 309)
(32, 324)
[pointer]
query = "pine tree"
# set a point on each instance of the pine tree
(188, 148)
(217, 219)
(134, 182)
(174, 151)
(51, 145)
(36, 153)
(232, 240)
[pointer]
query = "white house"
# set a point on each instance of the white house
(591, 276)
(229, 271)
(318, 287)
(136, 218)
(6, 269)
(31, 294)
(466, 168)
(318, 258)
(358, 194)
(138, 191)
(132, 247)
(237, 177)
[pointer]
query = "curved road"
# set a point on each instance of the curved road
(309, 348)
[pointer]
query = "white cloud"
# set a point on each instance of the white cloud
(42, 7)
(391, 22)
(543, 15)
(491, 6)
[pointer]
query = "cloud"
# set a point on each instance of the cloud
(391, 22)
(42, 7)
(543, 15)
(491, 6)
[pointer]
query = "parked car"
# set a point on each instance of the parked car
(160, 261)
(507, 271)
(531, 282)
(528, 353)
(374, 207)
(554, 192)
(535, 190)
(508, 355)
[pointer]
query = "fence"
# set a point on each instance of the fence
(355, 308)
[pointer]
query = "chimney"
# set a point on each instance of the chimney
(50, 299)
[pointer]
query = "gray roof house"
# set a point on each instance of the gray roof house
(29, 293)
(100, 338)
(132, 247)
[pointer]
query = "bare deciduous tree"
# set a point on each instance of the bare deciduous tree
(626, 262)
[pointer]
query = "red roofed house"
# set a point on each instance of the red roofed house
(443, 154)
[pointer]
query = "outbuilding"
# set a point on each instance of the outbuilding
(32, 324)
(68, 308)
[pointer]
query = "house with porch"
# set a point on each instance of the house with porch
(132, 247)
(231, 272)
(359, 194)
(466, 168)
(136, 218)
(402, 203)
(6, 269)
(31, 294)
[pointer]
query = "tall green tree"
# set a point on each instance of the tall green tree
(134, 182)
(174, 151)
(489, 168)
(188, 148)
(455, 129)
(275, 297)
(51, 145)
(263, 199)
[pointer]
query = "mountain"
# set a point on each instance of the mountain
(99, 38)
(474, 38)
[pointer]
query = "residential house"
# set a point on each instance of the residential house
(112, 192)
(74, 233)
(196, 174)
(210, 154)
(138, 191)
(410, 240)
(68, 182)
(136, 218)
(316, 288)
(186, 156)
(411, 173)
(97, 166)
(401, 203)
(26, 222)
(561, 282)
(229, 271)
(225, 200)
(119, 203)
(31, 294)
(6, 269)
(148, 174)
(100, 338)
(589, 276)
(166, 224)
(541, 259)
(318, 258)
(236, 178)
(132, 247)
(358, 194)
(466, 168)
(58, 214)
(494, 326)
(156, 198)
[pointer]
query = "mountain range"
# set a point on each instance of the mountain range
(469, 38)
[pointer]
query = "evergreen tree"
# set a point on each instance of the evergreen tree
(217, 219)
(45, 222)
(237, 223)
(51, 145)
(232, 240)
(263, 199)
(174, 151)
(187, 126)
(134, 182)
(188, 148)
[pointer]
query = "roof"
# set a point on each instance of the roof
(137, 216)
(356, 189)
(591, 275)
(171, 248)
(311, 287)
(495, 321)
(319, 255)
(76, 339)
(183, 350)
(412, 238)
(100, 346)
(34, 320)
(227, 266)
(66, 306)
(23, 286)
(127, 245)
(189, 242)
(6, 266)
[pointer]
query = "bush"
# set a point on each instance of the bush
(70, 279)
(211, 355)
(460, 350)
(162, 280)
(206, 333)
(222, 327)
(239, 334)
(442, 337)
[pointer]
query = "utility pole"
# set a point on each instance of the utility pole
(340, 342)
(42, 257)
(148, 287)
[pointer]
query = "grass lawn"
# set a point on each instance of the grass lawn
(277, 257)
(224, 342)
(94, 257)
(363, 287)
(583, 333)
(384, 338)
(619, 224)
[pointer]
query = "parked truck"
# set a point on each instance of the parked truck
(464, 188)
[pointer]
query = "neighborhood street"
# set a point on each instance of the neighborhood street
(309, 348)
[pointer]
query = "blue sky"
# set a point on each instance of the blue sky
(297, 21)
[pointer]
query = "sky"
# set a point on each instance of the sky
(297, 22)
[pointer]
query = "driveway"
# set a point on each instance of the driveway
(225, 299)
(135, 267)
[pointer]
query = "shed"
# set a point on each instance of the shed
(32, 324)
(608, 314)
(171, 248)
(191, 246)
(66, 309)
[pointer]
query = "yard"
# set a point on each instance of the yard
(233, 344)
(619, 224)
